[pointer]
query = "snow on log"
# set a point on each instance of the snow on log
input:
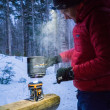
(50, 102)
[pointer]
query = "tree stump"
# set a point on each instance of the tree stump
(50, 102)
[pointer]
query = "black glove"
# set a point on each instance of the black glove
(53, 60)
(64, 74)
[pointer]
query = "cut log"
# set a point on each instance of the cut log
(50, 102)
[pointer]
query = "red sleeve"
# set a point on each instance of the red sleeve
(66, 56)
(99, 28)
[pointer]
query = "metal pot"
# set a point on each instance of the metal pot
(36, 66)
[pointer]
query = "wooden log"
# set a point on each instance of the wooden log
(50, 102)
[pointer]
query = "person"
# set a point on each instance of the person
(90, 57)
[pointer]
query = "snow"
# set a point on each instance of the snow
(18, 88)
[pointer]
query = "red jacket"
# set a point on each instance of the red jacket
(90, 57)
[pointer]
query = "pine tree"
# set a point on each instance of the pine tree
(7, 74)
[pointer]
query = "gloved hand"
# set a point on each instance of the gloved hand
(64, 74)
(52, 60)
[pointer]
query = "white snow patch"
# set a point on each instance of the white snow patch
(16, 91)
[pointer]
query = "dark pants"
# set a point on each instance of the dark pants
(93, 100)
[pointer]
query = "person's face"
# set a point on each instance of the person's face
(69, 13)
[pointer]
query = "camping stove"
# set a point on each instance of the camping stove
(36, 91)
(36, 69)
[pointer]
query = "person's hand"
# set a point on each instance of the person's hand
(52, 60)
(64, 74)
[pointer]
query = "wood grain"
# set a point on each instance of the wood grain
(50, 102)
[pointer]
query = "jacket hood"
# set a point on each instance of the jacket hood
(89, 5)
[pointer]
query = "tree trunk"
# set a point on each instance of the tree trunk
(50, 102)
(9, 37)
(22, 26)
(33, 28)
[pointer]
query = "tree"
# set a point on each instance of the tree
(9, 37)
(28, 29)
(7, 74)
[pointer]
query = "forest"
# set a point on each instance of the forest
(32, 28)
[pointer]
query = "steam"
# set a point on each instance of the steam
(55, 37)
(49, 32)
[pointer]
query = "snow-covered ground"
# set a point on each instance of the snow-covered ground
(18, 88)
